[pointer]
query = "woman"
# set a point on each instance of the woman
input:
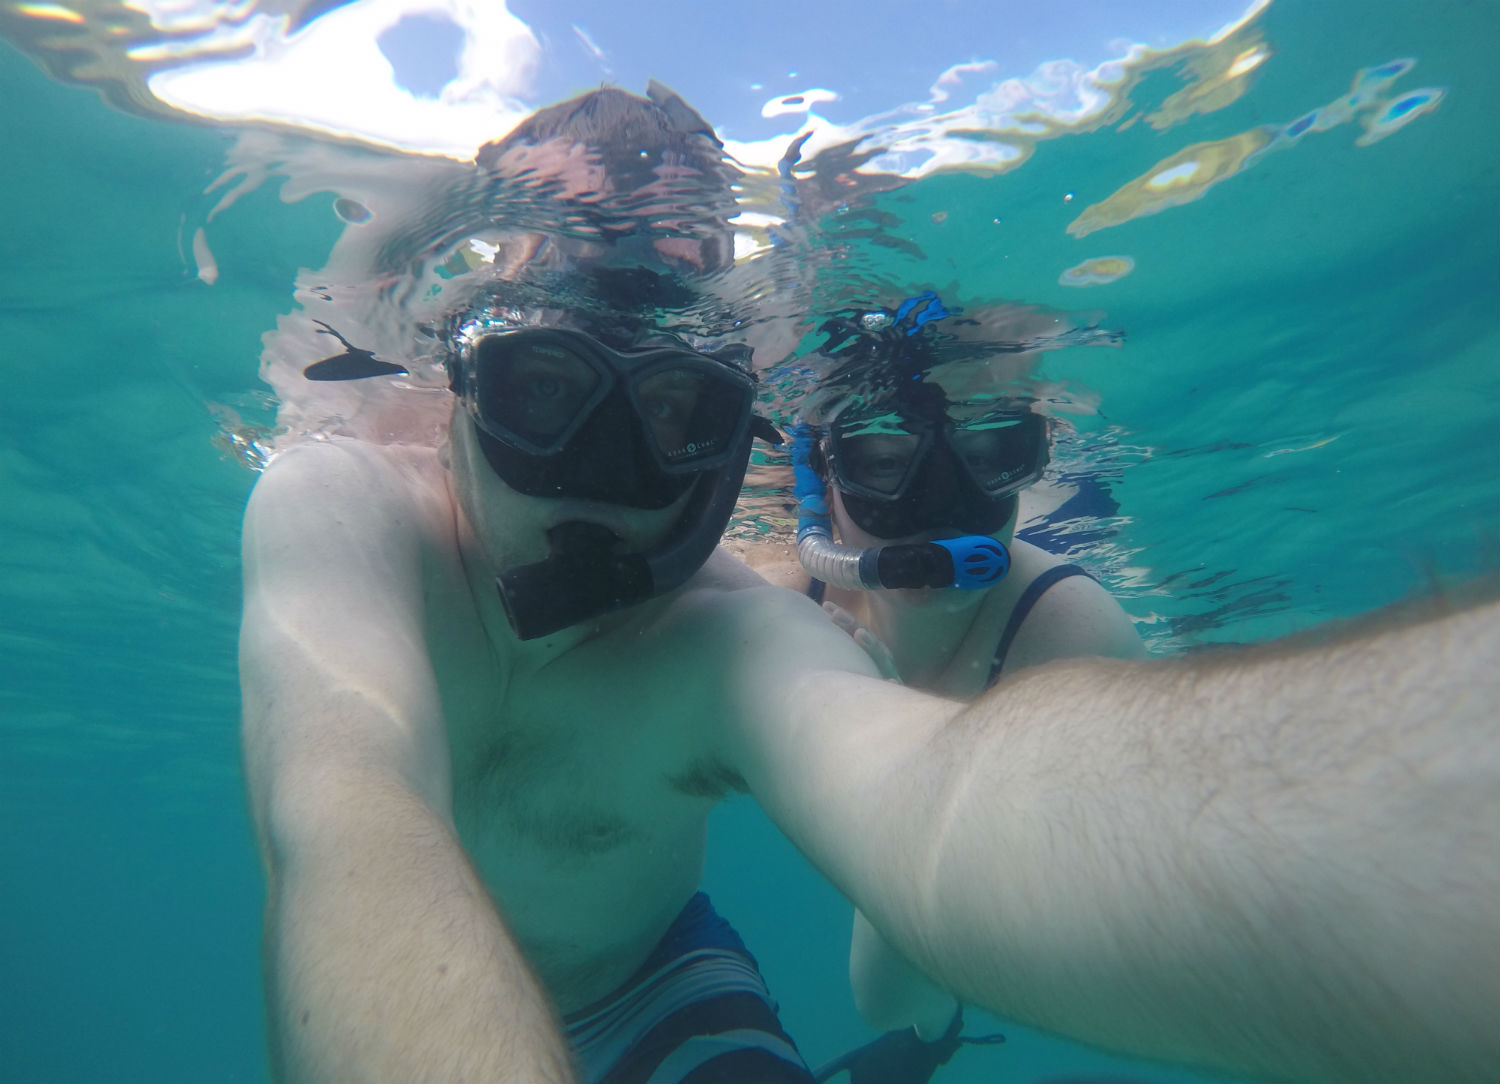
(907, 515)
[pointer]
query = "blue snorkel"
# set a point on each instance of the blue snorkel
(972, 562)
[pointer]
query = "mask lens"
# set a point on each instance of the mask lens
(1001, 454)
(534, 389)
(691, 413)
(877, 463)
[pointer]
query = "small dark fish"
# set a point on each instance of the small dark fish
(1198, 585)
(1232, 489)
(353, 364)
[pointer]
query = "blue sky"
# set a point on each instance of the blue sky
(445, 75)
(728, 58)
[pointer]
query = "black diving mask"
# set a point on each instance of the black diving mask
(560, 414)
(901, 475)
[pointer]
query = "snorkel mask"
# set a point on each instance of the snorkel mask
(904, 474)
(905, 461)
(559, 414)
(907, 479)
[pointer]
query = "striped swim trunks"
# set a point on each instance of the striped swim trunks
(696, 1011)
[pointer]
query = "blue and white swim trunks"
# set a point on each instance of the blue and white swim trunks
(697, 1011)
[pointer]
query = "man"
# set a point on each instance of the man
(519, 670)
(477, 807)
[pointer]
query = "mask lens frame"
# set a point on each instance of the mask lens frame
(878, 463)
(1001, 453)
(535, 390)
(694, 410)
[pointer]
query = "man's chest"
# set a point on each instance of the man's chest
(576, 796)
(590, 754)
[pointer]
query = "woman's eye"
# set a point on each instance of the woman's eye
(881, 461)
(547, 387)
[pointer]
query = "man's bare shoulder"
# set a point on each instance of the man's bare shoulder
(775, 561)
(337, 542)
(334, 477)
(763, 637)
(319, 503)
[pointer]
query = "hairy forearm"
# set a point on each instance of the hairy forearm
(1281, 863)
(387, 961)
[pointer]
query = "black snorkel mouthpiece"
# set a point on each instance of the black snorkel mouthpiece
(907, 566)
(586, 575)
(971, 562)
(583, 577)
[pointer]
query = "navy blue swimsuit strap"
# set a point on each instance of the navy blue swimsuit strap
(815, 591)
(1034, 591)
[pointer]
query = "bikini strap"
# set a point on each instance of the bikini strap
(1029, 598)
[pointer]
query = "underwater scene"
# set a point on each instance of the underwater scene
(1243, 257)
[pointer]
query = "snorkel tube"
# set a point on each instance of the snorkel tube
(972, 562)
(585, 576)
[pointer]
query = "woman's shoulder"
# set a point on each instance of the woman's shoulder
(1053, 609)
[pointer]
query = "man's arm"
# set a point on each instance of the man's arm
(1074, 618)
(385, 958)
(1279, 861)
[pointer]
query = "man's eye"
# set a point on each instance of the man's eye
(547, 387)
(672, 403)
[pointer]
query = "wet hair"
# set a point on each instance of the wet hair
(631, 135)
(619, 295)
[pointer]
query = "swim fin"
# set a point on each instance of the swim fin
(899, 1057)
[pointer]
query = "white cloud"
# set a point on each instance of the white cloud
(331, 76)
(801, 102)
(942, 90)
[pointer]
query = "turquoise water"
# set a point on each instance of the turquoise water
(1301, 425)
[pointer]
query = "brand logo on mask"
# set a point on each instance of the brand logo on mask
(692, 448)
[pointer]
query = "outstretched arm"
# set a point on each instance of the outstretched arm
(1279, 861)
(385, 959)
(1074, 618)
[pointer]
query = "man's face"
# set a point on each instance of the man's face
(594, 476)
(512, 527)
(658, 228)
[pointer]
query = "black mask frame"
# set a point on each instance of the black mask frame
(560, 414)
(939, 484)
